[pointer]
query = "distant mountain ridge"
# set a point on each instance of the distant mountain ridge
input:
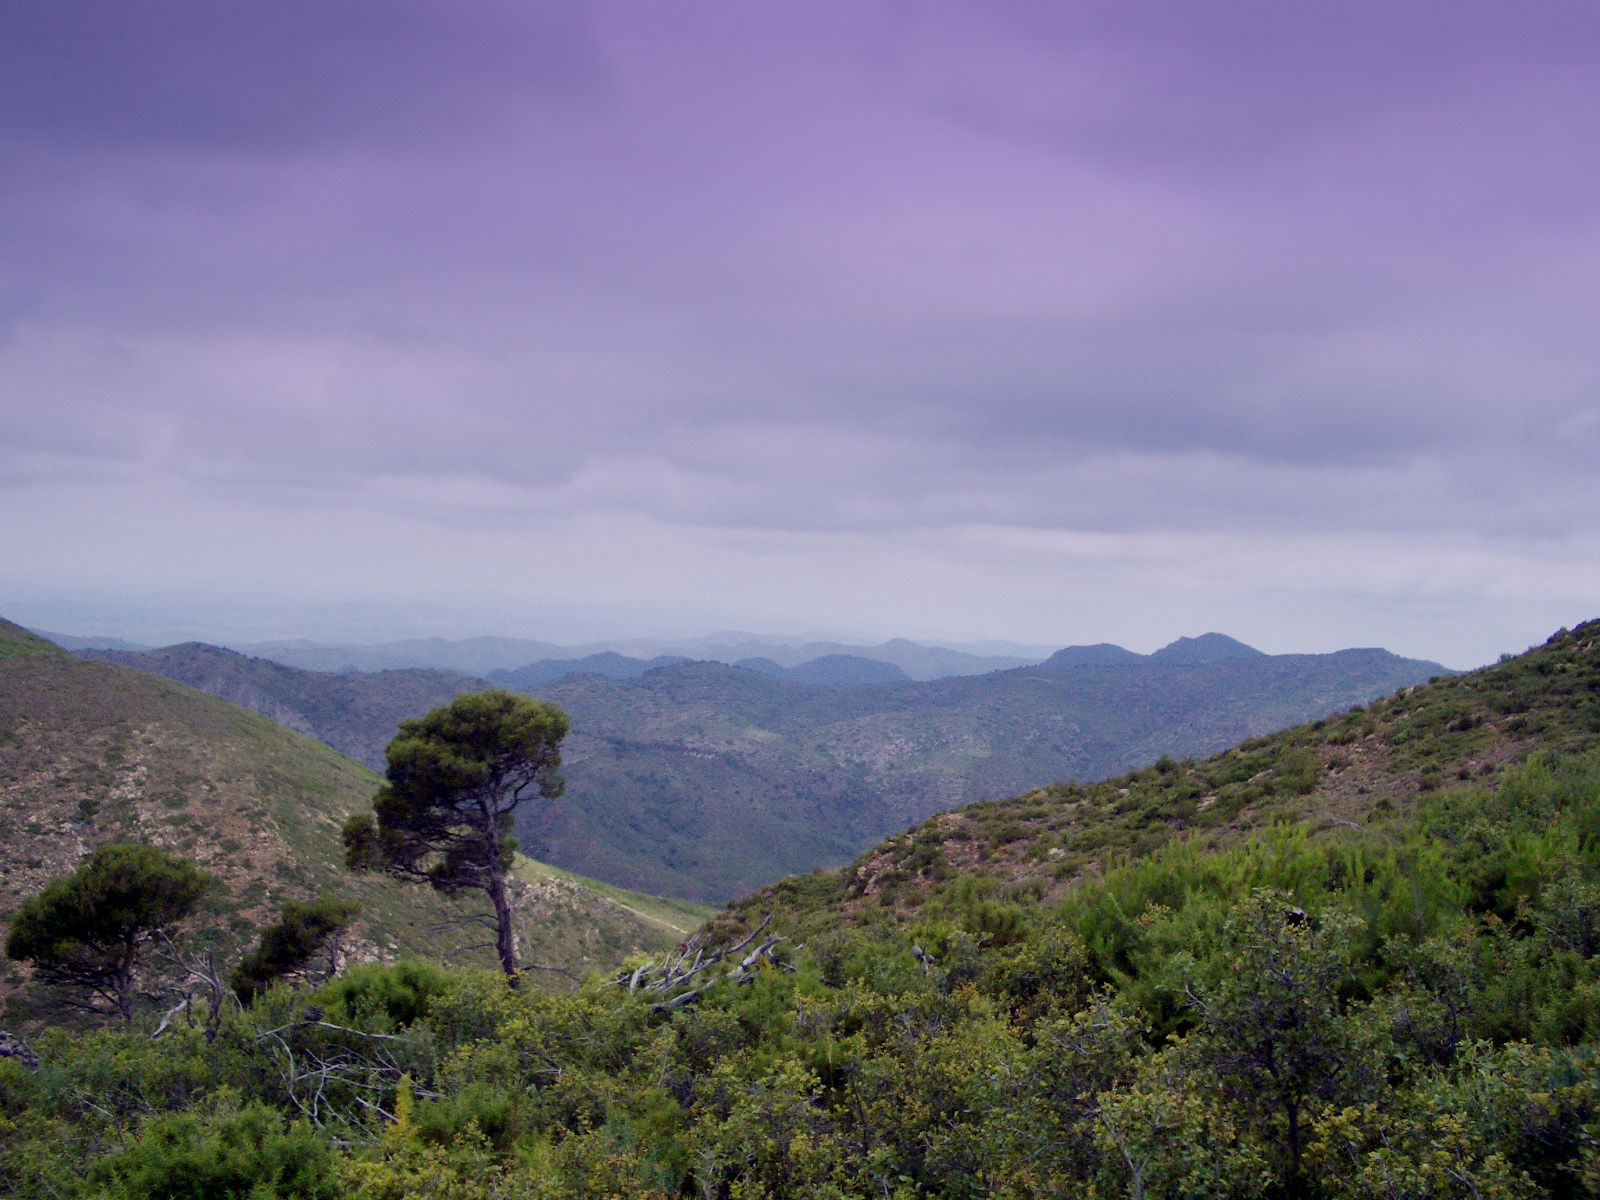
(1207, 648)
(1185, 652)
(485, 656)
(1101, 654)
(354, 712)
(469, 656)
(607, 663)
(706, 780)
(75, 642)
(524, 662)
(831, 670)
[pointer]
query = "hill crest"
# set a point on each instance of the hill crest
(1207, 648)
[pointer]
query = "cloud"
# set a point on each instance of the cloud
(279, 78)
(740, 275)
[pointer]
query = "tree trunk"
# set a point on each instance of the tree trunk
(505, 939)
(122, 983)
(1292, 1110)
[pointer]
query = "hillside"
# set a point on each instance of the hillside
(706, 780)
(1355, 960)
(733, 778)
(92, 753)
(354, 712)
(1376, 762)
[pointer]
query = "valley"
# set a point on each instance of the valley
(92, 752)
(706, 780)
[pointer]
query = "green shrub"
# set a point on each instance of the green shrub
(397, 994)
(251, 1153)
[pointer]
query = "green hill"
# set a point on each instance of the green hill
(93, 753)
(1374, 762)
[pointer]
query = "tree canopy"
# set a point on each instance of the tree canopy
(455, 778)
(87, 931)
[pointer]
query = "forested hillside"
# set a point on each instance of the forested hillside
(1357, 959)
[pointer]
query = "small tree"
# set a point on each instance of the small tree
(1271, 1023)
(304, 930)
(455, 778)
(88, 931)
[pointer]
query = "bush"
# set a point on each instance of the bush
(250, 1152)
(398, 994)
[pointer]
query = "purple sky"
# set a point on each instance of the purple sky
(1050, 321)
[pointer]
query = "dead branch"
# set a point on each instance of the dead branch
(202, 971)
(166, 1020)
(1356, 825)
(322, 1082)
(690, 962)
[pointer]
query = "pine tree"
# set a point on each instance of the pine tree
(455, 778)
(88, 931)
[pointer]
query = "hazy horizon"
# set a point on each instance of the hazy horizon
(357, 625)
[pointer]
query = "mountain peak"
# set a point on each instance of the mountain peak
(1101, 654)
(1207, 648)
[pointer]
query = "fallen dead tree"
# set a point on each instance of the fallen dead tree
(682, 976)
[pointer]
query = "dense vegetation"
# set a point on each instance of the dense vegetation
(1409, 1011)
(1385, 988)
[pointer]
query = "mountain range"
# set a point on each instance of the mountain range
(1355, 957)
(484, 656)
(705, 780)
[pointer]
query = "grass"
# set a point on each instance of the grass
(679, 917)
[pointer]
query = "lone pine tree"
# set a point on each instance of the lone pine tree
(455, 778)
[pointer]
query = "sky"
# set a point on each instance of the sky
(1058, 322)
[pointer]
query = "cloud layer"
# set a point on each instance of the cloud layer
(912, 317)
